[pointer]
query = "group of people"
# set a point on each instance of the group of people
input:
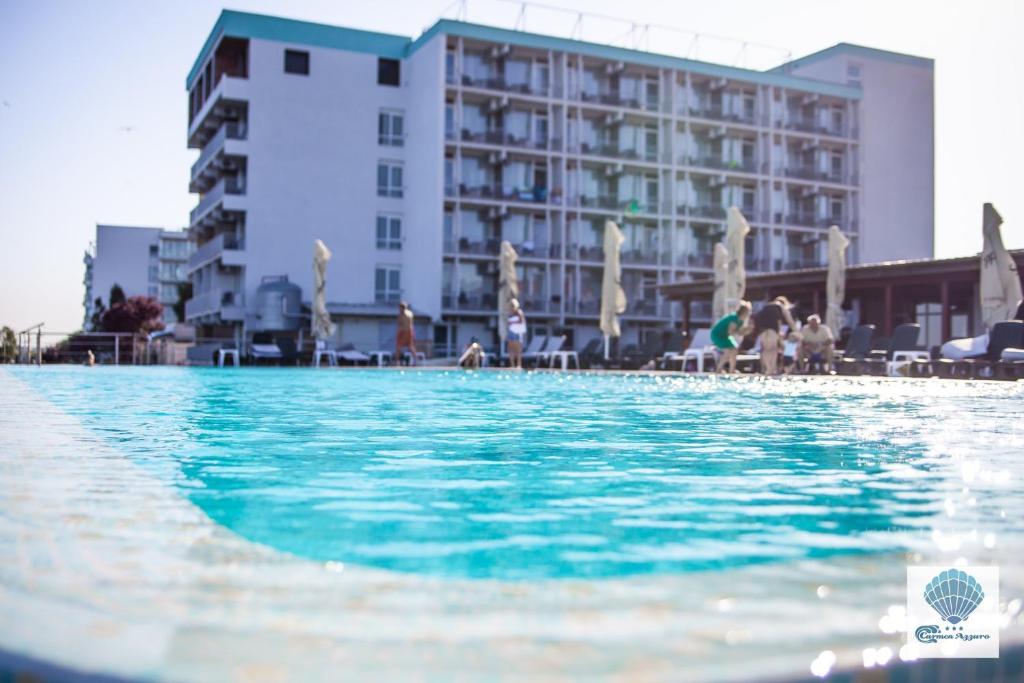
(785, 345)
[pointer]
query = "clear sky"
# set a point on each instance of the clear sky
(93, 106)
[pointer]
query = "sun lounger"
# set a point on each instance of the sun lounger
(700, 351)
(554, 344)
(1002, 336)
(593, 353)
(534, 348)
(900, 353)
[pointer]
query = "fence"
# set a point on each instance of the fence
(38, 347)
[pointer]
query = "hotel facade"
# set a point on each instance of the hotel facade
(412, 159)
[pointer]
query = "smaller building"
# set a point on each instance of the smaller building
(142, 261)
(942, 295)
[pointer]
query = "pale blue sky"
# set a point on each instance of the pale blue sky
(92, 106)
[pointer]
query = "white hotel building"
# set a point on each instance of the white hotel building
(413, 159)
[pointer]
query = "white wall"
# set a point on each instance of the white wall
(312, 172)
(897, 152)
(122, 257)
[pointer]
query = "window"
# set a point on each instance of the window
(389, 179)
(449, 120)
(389, 232)
(391, 128)
(387, 284)
(152, 291)
(388, 71)
(154, 250)
(154, 273)
(296, 62)
(449, 65)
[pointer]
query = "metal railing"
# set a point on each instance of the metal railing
(211, 249)
(229, 130)
(233, 186)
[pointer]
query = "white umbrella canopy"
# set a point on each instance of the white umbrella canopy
(508, 285)
(1000, 281)
(613, 298)
(835, 283)
(323, 328)
(736, 232)
(720, 265)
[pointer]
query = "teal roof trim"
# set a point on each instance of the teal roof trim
(857, 51)
(621, 54)
(261, 26)
(246, 25)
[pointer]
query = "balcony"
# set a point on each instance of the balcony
(641, 256)
(228, 304)
(613, 151)
(719, 114)
(227, 101)
(501, 84)
(477, 301)
(537, 195)
(611, 100)
(224, 247)
(804, 219)
(230, 130)
(224, 187)
(743, 166)
(707, 211)
(499, 137)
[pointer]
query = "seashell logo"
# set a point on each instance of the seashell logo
(954, 594)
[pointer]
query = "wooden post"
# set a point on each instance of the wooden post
(947, 317)
(887, 323)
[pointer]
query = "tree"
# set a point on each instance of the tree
(96, 321)
(184, 294)
(8, 345)
(116, 295)
(136, 314)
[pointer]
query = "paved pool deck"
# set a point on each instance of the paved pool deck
(107, 569)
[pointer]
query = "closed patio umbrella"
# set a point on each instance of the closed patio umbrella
(508, 285)
(1000, 281)
(736, 232)
(613, 298)
(323, 328)
(720, 265)
(835, 283)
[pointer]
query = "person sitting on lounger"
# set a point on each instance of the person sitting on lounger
(472, 357)
(816, 345)
(723, 336)
(768, 329)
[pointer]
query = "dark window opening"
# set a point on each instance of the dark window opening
(296, 62)
(388, 71)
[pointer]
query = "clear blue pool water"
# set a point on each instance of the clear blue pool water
(545, 475)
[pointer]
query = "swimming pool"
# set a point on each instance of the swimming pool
(646, 527)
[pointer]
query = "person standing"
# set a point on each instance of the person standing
(723, 336)
(516, 333)
(405, 339)
(768, 330)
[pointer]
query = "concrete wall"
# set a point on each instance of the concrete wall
(897, 150)
(123, 258)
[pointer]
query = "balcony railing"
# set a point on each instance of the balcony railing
(212, 249)
(611, 99)
(497, 192)
(706, 211)
(805, 126)
(613, 151)
(500, 83)
(229, 304)
(745, 165)
(233, 186)
(499, 137)
(229, 130)
(719, 114)
(644, 256)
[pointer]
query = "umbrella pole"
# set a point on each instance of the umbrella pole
(606, 338)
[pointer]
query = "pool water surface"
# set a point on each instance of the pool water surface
(497, 475)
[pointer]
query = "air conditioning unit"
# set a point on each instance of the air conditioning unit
(808, 145)
(497, 158)
(617, 67)
(498, 103)
(614, 119)
(500, 51)
(492, 267)
(497, 213)
(613, 170)
(809, 192)
(810, 238)
(717, 181)
(718, 84)
(809, 98)
(716, 132)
